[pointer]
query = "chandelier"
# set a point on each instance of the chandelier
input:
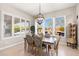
(40, 16)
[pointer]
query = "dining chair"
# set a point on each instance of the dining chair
(38, 45)
(30, 42)
(47, 35)
(56, 44)
(41, 35)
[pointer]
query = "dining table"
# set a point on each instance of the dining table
(49, 41)
(46, 40)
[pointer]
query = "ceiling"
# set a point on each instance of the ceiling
(33, 8)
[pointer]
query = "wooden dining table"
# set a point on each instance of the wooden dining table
(49, 41)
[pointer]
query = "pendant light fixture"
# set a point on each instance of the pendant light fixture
(40, 16)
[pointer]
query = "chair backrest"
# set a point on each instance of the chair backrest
(29, 39)
(57, 42)
(38, 41)
(47, 35)
(41, 35)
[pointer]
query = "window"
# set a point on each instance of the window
(7, 26)
(48, 24)
(22, 25)
(16, 26)
(27, 26)
(59, 25)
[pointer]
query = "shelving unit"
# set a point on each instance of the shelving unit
(72, 40)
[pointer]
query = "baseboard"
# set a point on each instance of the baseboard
(11, 45)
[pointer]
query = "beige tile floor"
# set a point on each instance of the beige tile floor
(18, 50)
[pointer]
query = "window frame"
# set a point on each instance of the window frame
(2, 25)
(64, 24)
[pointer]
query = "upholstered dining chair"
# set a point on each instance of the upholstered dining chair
(30, 42)
(41, 35)
(56, 44)
(38, 45)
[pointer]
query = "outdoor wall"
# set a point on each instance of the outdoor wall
(69, 13)
(4, 43)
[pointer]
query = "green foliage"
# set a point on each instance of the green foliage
(16, 28)
(27, 28)
(32, 28)
(22, 28)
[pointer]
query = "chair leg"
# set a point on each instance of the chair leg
(67, 43)
(25, 45)
(28, 48)
(35, 51)
(50, 52)
(40, 52)
(56, 52)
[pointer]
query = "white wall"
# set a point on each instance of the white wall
(14, 11)
(77, 13)
(0, 24)
(69, 13)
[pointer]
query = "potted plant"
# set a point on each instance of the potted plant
(32, 28)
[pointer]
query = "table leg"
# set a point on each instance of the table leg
(25, 45)
(47, 49)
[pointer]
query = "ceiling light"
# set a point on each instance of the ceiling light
(40, 16)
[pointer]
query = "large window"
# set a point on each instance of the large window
(27, 24)
(7, 26)
(59, 25)
(16, 25)
(22, 25)
(48, 23)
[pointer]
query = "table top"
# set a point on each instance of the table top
(50, 40)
